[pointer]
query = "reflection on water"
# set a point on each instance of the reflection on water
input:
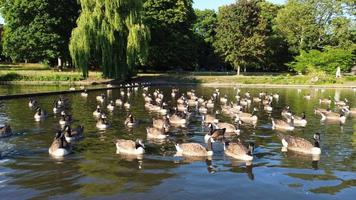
(94, 170)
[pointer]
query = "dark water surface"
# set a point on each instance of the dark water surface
(94, 171)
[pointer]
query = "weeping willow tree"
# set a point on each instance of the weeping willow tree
(110, 34)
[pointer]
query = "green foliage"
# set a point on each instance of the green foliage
(327, 60)
(310, 24)
(38, 30)
(172, 41)
(241, 34)
(204, 30)
(277, 53)
(205, 25)
(110, 34)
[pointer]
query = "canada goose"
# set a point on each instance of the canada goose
(201, 101)
(102, 123)
(229, 128)
(214, 133)
(281, 125)
(341, 103)
(209, 119)
(62, 101)
(84, 93)
(5, 131)
(176, 120)
(59, 147)
(163, 109)
(127, 105)
(325, 101)
(268, 107)
(181, 100)
(130, 121)
(152, 108)
(256, 99)
(276, 96)
(100, 98)
(307, 96)
(301, 145)
(65, 119)
(182, 107)
(266, 101)
(155, 133)
(192, 102)
(331, 116)
(118, 102)
(210, 104)
(111, 106)
(40, 114)
(321, 110)
(173, 94)
(227, 109)
(238, 151)
(202, 109)
(73, 135)
(223, 100)
(244, 102)
(97, 111)
(130, 147)
(32, 102)
(298, 121)
(247, 117)
(195, 149)
(57, 108)
(286, 113)
(161, 123)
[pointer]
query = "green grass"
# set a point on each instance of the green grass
(252, 79)
(40, 72)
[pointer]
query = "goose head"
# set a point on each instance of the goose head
(251, 148)
(58, 135)
(139, 144)
(316, 139)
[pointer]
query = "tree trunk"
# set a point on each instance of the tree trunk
(238, 71)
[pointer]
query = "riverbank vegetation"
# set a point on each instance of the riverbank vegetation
(306, 37)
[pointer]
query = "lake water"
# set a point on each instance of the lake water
(95, 171)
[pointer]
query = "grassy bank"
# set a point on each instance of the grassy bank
(39, 72)
(250, 79)
(42, 75)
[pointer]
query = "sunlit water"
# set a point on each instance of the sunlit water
(94, 170)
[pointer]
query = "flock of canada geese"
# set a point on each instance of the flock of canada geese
(185, 106)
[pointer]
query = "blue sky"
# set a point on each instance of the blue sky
(206, 4)
(214, 4)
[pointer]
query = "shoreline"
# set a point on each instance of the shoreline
(168, 84)
(214, 84)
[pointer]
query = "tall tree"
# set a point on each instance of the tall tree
(110, 34)
(38, 30)
(172, 42)
(241, 34)
(277, 53)
(204, 30)
(311, 24)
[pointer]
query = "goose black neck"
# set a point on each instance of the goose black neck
(316, 143)
(210, 145)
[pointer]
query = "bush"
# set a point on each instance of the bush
(327, 60)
